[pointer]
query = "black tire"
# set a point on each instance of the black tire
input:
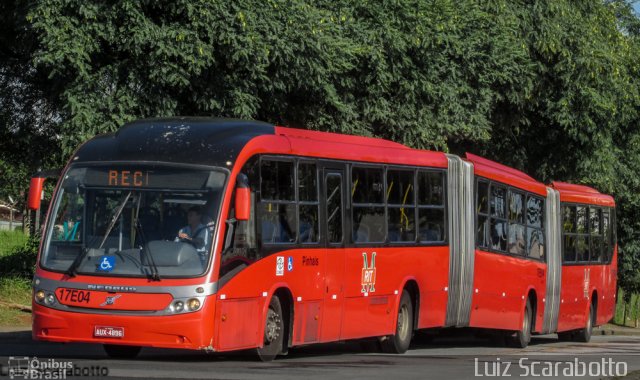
(273, 332)
(522, 337)
(584, 335)
(121, 352)
(400, 341)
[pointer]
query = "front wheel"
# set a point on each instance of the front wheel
(273, 332)
(121, 352)
(399, 342)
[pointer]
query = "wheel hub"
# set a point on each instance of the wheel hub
(272, 329)
(403, 321)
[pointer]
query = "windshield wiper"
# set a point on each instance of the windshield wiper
(71, 272)
(154, 276)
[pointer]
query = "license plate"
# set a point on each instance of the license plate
(108, 332)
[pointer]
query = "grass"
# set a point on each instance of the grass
(11, 240)
(633, 310)
(15, 290)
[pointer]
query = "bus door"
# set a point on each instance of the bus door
(333, 230)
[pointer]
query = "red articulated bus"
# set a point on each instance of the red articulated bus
(221, 235)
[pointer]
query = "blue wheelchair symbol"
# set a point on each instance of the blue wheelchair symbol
(106, 263)
(290, 264)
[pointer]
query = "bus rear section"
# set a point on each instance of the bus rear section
(589, 260)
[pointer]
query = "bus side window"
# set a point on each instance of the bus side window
(606, 230)
(278, 222)
(308, 202)
(431, 207)
(595, 224)
(535, 225)
(482, 209)
(568, 233)
(401, 213)
(498, 209)
(368, 205)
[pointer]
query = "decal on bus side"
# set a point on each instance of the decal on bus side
(587, 273)
(368, 279)
(280, 266)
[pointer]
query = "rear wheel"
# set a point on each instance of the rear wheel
(121, 352)
(584, 335)
(273, 332)
(523, 336)
(399, 342)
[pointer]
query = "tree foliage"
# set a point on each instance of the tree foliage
(552, 88)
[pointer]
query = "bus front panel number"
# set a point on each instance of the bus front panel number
(74, 295)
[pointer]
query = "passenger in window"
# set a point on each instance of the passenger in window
(196, 233)
(286, 232)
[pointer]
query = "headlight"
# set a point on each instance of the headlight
(193, 304)
(50, 299)
(40, 296)
(185, 305)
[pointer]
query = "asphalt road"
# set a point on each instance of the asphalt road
(454, 356)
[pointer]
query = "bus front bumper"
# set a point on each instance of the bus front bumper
(188, 331)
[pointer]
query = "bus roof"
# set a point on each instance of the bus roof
(582, 194)
(191, 140)
(501, 173)
(217, 141)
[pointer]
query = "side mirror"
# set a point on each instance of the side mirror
(36, 185)
(243, 198)
(35, 192)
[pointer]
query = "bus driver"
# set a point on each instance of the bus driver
(196, 233)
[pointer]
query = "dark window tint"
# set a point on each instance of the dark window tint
(534, 212)
(582, 248)
(307, 182)
(368, 224)
(535, 243)
(482, 234)
(401, 224)
(400, 187)
(569, 248)
(367, 185)
(594, 221)
(334, 208)
(308, 223)
(498, 232)
(517, 239)
(516, 207)
(278, 222)
(569, 219)
(606, 228)
(581, 220)
(277, 180)
(483, 197)
(498, 202)
(431, 225)
(597, 253)
(430, 188)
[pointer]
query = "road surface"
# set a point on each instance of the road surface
(452, 357)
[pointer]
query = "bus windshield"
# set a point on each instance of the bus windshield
(151, 221)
